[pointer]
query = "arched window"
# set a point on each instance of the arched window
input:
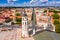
(25, 23)
(23, 18)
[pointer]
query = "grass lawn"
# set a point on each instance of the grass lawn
(45, 36)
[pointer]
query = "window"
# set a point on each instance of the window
(23, 18)
(25, 23)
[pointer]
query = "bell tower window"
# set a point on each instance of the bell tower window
(23, 18)
(25, 23)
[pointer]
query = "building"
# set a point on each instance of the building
(25, 32)
(29, 15)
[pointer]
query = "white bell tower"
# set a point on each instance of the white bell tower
(24, 25)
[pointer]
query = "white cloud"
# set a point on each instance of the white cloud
(33, 1)
(11, 1)
(14, 0)
(40, 3)
(43, 0)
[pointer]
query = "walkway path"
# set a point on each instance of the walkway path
(19, 36)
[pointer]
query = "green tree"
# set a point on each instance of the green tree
(56, 21)
(17, 14)
(55, 11)
(18, 20)
(50, 10)
(45, 11)
(57, 28)
(56, 16)
(12, 23)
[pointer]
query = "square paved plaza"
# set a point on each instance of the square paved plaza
(14, 34)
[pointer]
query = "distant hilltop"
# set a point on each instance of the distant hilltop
(30, 6)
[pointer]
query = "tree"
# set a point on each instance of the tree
(56, 21)
(0, 10)
(57, 28)
(17, 14)
(50, 10)
(45, 11)
(55, 11)
(18, 20)
(12, 23)
(56, 16)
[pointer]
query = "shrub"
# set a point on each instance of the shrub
(56, 21)
(57, 28)
(12, 23)
(50, 10)
(19, 20)
(55, 11)
(17, 14)
(56, 16)
(45, 11)
(18, 23)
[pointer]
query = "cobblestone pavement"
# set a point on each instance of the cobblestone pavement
(13, 35)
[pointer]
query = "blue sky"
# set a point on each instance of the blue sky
(17, 1)
(30, 3)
